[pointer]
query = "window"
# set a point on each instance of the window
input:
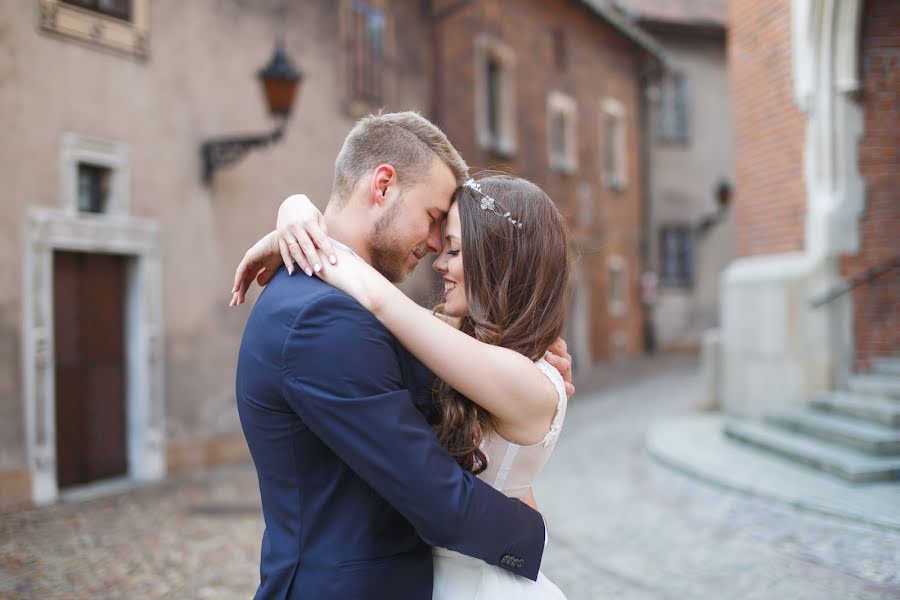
(613, 144)
(495, 96)
(368, 30)
(93, 188)
(617, 291)
(561, 127)
(676, 256)
(673, 118)
(120, 9)
(94, 175)
(120, 25)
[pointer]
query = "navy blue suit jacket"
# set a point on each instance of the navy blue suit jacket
(355, 486)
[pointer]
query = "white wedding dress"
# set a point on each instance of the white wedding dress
(511, 469)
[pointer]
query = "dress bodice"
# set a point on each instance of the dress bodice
(512, 468)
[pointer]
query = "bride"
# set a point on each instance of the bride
(505, 267)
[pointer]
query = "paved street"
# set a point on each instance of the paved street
(621, 526)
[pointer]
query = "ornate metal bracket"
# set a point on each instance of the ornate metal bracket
(222, 152)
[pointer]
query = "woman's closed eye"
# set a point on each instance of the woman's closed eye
(453, 252)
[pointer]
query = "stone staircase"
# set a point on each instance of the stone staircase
(852, 433)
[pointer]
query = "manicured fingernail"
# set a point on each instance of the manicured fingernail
(308, 271)
(332, 259)
(317, 267)
(290, 270)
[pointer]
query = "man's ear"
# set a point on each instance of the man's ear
(383, 178)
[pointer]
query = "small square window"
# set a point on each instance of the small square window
(367, 57)
(617, 290)
(561, 129)
(121, 9)
(676, 256)
(673, 115)
(93, 188)
(614, 144)
(495, 97)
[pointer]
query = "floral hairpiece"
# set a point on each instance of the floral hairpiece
(488, 203)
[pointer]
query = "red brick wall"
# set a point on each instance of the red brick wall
(769, 198)
(876, 307)
(599, 62)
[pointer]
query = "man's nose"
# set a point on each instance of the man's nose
(434, 243)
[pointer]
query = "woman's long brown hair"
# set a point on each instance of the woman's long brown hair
(517, 289)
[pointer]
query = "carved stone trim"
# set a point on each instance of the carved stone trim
(45, 232)
(129, 37)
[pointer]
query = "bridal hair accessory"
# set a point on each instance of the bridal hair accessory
(488, 203)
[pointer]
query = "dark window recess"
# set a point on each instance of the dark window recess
(121, 9)
(93, 188)
(676, 244)
(673, 124)
(560, 55)
(494, 74)
(558, 136)
(368, 52)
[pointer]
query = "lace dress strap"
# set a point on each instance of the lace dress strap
(556, 425)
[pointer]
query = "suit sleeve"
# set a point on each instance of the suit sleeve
(343, 378)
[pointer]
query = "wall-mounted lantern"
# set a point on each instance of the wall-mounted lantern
(722, 193)
(280, 81)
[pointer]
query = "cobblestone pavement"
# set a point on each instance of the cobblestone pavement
(621, 526)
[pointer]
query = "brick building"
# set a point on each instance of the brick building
(552, 91)
(813, 303)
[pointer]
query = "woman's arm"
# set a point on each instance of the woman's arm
(502, 381)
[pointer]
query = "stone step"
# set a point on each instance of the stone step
(885, 386)
(837, 460)
(864, 436)
(886, 366)
(859, 406)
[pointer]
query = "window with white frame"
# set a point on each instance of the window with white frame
(676, 256)
(613, 137)
(562, 145)
(617, 286)
(121, 25)
(673, 115)
(94, 175)
(495, 116)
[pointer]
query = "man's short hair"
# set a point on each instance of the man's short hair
(405, 140)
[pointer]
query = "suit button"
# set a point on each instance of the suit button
(519, 563)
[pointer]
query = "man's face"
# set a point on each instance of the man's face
(410, 224)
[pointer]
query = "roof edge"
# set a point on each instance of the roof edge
(630, 30)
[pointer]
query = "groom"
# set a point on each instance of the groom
(355, 487)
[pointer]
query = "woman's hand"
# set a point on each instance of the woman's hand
(558, 356)
(260, 262)
(301, 230)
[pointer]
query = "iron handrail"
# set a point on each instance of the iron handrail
(863, 278)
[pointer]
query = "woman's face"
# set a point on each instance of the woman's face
(450, 265)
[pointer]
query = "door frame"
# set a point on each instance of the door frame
(45, 232)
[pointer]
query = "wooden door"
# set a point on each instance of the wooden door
(89, 334)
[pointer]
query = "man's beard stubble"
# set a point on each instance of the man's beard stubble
(386, 249)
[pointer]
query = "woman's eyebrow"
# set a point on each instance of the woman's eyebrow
(450, 237)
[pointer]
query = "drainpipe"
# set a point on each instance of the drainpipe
(651, 74)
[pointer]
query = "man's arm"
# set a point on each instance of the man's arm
(343, 378)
